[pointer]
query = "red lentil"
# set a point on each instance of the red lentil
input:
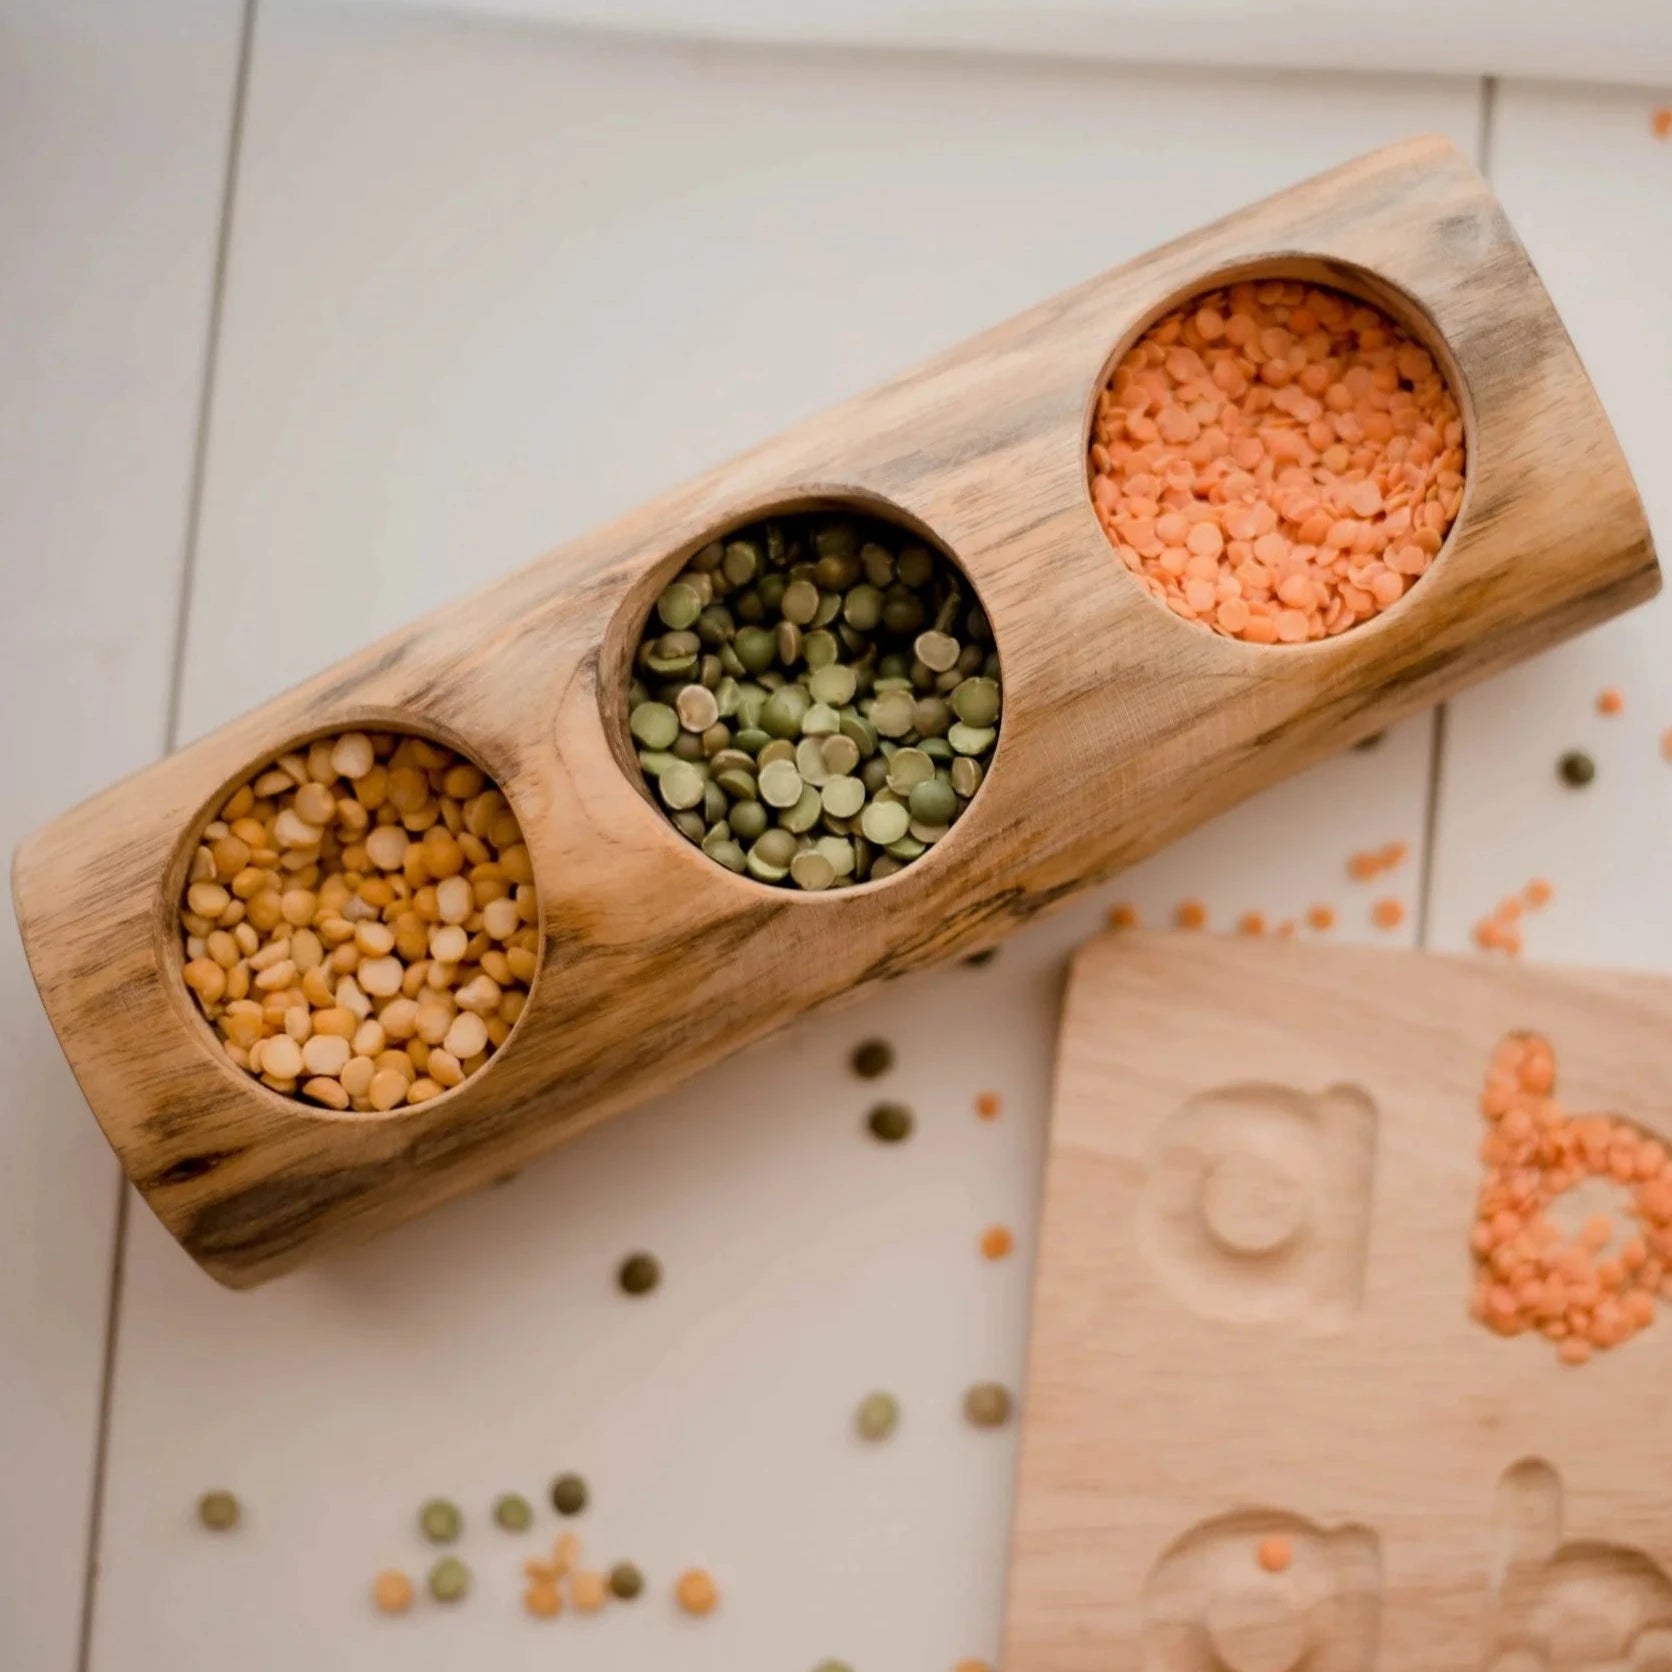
(1529, 1276)
(1387, 914)
(996, 1242)
(1190, 914)
(1123, 916)
(1274, 1553)
(1321, 918)
(1609, 701)
(988, 1104)
(1660, 122)
(1251, 923)
(1277, 461)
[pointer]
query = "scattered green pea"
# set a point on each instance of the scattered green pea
(219, 1511)
(568, 1494)
(988, 1405)
(626, 1581)
(1577, 768)
(440, 1521)
(872, 1058)
(449, 1580)
(814, 700)
(513, 1512)
(890, 1123)
(638, 1275)
(878, 1416)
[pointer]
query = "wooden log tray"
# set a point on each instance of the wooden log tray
(1123, 726)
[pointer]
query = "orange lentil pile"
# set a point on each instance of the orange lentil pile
(1277, 461)
(1585, 1292)
(359, 921)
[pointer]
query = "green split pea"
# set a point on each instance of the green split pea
(890, 1123)
(440, 1521)
(815, 700)
(878, 1416)
(568, 1494)
(449, 1580)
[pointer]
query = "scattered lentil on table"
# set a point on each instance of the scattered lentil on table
(1320, 918)
(872, 1058)
(815, 700)
(1387, 914)
(569, 1494)
(1190, 914)
(996, 1242)
(639, 1273)
(449, 1580)
(988, 1105)
(513, 1512)
(1584, 1292)
(1274, 1553)
(1610, 701)
(543, 1599)
(890, 1123)
(878, 1416)
(1251, 923)
(1123, 915)
(359, 922)
(440, 1521)
(392, 1592)
(988, 1405)
(1370, 863)
(696, 1591)
(588, 1590)
(219, 1510)
(1277, 461)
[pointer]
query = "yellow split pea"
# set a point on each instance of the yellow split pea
(359, 922)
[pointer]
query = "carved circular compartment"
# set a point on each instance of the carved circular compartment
(1280, 456)
(355, 921)
(812, 695)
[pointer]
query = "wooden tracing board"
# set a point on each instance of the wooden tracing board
(1252, 1327)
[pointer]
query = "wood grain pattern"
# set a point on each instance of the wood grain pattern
(1196, 1383)
(655, 961)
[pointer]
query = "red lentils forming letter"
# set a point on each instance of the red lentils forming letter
(1528, 1275)
(1277, 461)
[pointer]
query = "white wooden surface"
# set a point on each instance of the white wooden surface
(113, 131)
(1591, 192)
(487, 285)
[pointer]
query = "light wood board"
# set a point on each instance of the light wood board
(1251, 1317)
